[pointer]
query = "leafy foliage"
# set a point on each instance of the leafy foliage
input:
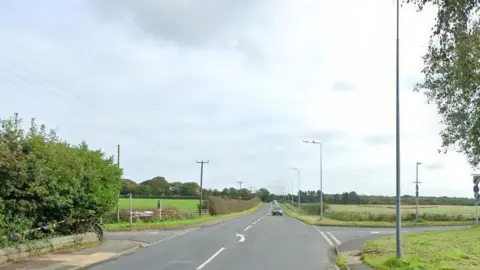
(452, 73)
(44, 180)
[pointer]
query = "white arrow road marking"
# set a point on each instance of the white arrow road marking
(242, 238)
(210, 259)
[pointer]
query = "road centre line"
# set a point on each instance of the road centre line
(210, 259)
(173, 236)
(255, 222)
(248, 227)
(324, 236)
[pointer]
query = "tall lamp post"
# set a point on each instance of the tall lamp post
(321, 175)
(298, 179)
(398, 238)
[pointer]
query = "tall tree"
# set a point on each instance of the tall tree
(452, 73)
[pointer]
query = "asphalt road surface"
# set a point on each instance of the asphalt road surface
(253, 242)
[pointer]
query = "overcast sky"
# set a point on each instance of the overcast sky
(239, 83)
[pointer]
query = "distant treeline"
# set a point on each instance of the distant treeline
(354, 198)
(159, 187)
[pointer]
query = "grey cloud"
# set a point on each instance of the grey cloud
(380, 139)
(184, 22)
(343, 86)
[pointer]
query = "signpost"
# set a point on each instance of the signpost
(476, 189)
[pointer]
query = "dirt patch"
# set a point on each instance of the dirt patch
(352, 257)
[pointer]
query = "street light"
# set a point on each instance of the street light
(398, 239)
(298, 179)
(290, 182)
(321, 175)
(416, 190)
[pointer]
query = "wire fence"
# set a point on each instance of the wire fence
(134, 209)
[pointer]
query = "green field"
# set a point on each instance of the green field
(141, 204)
(455, 249)
(433, 209)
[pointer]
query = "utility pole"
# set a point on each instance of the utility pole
(118, 199)
(240, 190)
(251, 191)
(201, 184)
(321, 175)
(416, 190)
(398, 239)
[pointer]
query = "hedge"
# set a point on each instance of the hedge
(220, 206)
(45, 180)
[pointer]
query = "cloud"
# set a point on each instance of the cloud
(343, 86)
(240, 85)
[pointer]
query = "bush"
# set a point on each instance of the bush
(221, 206)
(391, 217)
(44, 180)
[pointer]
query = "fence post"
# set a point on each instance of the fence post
(130, 206)
(159, 208)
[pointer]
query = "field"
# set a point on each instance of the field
(144, 204)
(456, 249)
(431, 209)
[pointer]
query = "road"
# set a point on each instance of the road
(256, 241)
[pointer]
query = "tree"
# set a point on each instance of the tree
(452, 73)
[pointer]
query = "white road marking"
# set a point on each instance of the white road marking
(324, 236)
(334, 238)
(299, 221)
(248, 228)
(254, 223)
(211, 258)
(242, 238)
(173, 236)
(374, 232)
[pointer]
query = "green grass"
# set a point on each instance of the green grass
(139, 204)
(433, 209)
(315, 220)
(456, 249)
(174, 224)
(341, 262)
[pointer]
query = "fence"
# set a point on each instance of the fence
(155, 208)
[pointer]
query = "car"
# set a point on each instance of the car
(277, 212)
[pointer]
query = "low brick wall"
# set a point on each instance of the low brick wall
(23, 251)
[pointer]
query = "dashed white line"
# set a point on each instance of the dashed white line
(173, 236)
(210, 259)
(254, 223)
(324, 236)
(248, 227)
(334, 238)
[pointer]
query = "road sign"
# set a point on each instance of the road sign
(476, 189)
(476, 179)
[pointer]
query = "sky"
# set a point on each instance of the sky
(239, 84)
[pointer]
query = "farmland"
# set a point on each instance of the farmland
(387, 209)
(145, 204)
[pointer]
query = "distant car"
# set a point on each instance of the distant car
(277, 212)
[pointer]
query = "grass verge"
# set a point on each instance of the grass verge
(315, 220)
(176, 224)
(341, 262)
(455, 249)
